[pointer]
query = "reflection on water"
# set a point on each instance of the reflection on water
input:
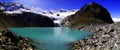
(62, 34)
(51, 38)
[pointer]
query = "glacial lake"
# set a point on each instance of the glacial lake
(50, 38)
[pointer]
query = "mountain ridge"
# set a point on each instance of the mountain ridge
(55, 15)
(92, 13)
(22, 17)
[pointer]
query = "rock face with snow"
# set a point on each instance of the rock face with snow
(10, 6)
(17, 8)
(89, 14)
(12, 15)
(58, 15)
(26, 19)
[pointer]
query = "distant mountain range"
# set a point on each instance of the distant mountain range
(55, 15)
(16, 15)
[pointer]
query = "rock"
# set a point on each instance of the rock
(9, 41)
(102, 39)
(92, 13)
(110, 30)
(58, 14)
(66, 21)
(11, 36)
(0, 34)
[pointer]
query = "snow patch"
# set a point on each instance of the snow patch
(116, 19)
(14, 12)
(2, 8)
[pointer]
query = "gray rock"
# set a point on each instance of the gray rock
(105, 37)
(9, 41)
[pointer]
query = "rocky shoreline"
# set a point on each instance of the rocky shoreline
(9, 41)
(105, 37)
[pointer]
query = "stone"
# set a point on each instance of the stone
(101, 40)
(9, 41)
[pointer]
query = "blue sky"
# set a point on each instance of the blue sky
(113, 6)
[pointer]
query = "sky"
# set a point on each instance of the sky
(113, 6)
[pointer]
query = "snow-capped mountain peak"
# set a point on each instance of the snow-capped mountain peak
(16, 8)
(56, 15)
(10, 6)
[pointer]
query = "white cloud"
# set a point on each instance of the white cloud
(116, 19)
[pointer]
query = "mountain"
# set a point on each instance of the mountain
(14, 15)
(10, 6)
(58, 15)
(17, 8)
(92, 13)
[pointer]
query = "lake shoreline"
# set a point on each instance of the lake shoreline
(9, 41)
(44, 37)
(105, 37)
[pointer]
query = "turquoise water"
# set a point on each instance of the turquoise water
(51, 38)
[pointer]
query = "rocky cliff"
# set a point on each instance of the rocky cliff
(92, 13)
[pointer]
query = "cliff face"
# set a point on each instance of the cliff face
(89, 14)
(25, 19)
